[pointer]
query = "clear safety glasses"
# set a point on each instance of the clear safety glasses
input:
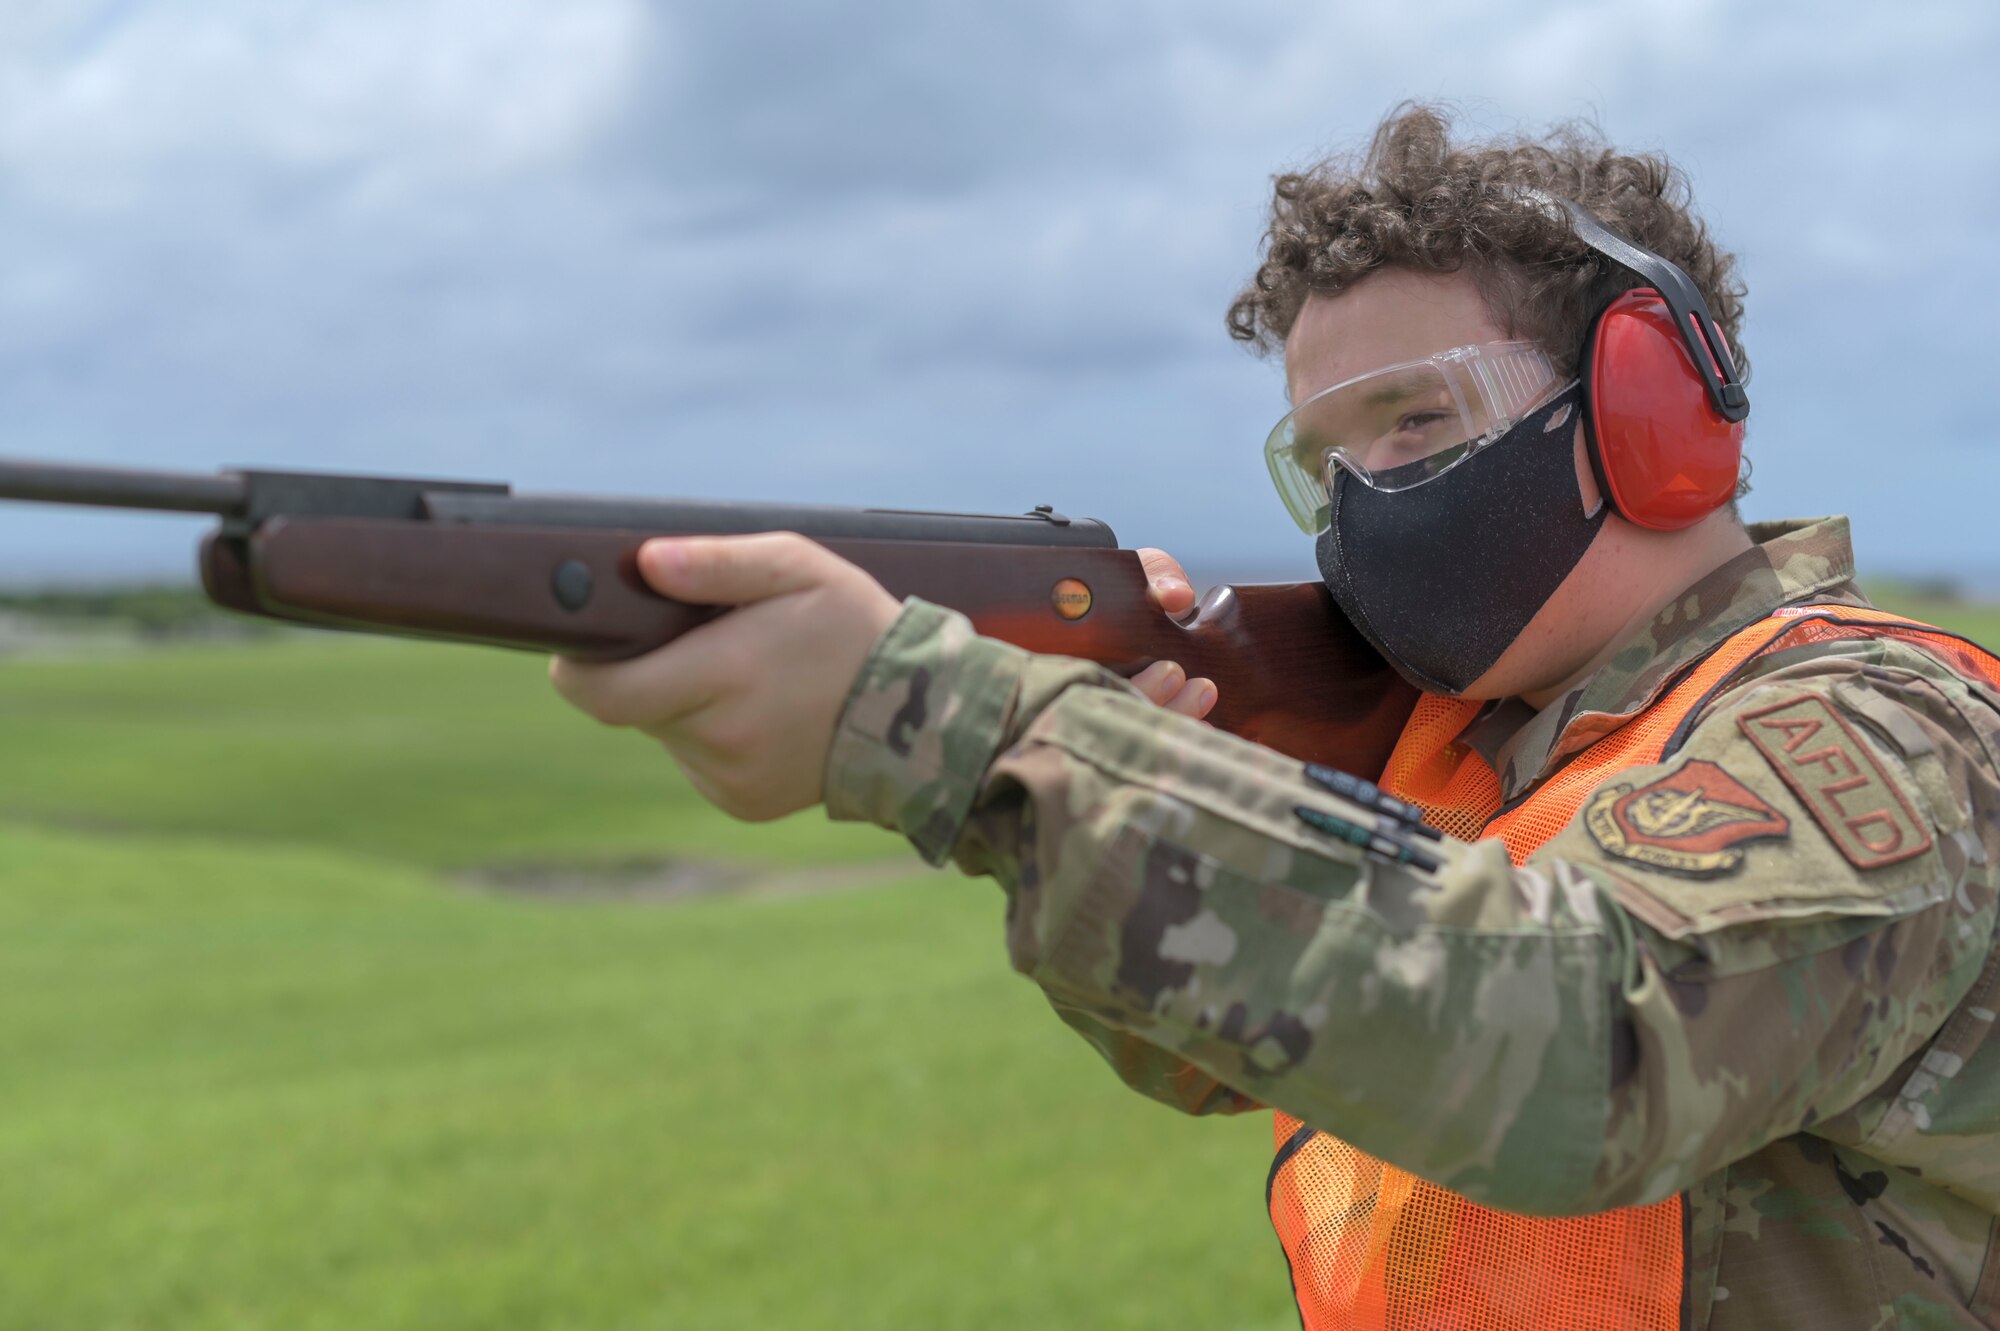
(1401, 426)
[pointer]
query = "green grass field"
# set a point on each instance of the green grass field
(263, 1066)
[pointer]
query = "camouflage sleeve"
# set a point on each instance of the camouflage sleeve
(927, 715)
(1716, 961)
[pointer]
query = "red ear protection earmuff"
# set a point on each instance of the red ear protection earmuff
(1664, 456)
(1663, 402)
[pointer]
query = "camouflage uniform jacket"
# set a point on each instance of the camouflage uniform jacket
(1798, 1042)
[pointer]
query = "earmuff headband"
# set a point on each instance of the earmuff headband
(1705, 343)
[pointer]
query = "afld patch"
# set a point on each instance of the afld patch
(1815, 752)
(1694, 820)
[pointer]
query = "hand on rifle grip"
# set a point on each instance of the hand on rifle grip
(1164, 682)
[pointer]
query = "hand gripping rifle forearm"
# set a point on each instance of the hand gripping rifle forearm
(474, 562)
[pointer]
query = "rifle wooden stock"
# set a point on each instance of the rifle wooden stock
(1290, 670)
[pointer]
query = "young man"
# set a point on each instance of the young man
(1685, 1018)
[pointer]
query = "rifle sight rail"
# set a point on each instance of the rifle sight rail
(247, 498)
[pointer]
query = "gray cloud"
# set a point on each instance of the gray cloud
(921, 253)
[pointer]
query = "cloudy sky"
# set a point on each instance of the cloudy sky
(917, 252)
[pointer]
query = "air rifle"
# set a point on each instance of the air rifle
(474, 562)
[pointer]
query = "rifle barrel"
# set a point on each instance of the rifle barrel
(119, 487)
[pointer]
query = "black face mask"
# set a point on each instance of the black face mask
(1443, 577)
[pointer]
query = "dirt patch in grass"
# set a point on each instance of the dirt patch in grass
(674, 879)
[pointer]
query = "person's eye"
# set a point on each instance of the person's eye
(1414, 434)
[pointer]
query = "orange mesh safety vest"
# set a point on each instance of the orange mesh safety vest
(1373, 1248)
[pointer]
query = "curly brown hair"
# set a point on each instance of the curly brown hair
(1417, 199)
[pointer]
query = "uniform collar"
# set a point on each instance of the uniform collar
(1794, 560)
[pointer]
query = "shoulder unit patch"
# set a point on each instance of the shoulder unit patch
(1694, 820)
(1815, 751)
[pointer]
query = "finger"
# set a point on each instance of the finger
(1196, 698)
(655, 689)
(1160, 681)
(735, 570)
(1158, 563)
(1167, 580)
